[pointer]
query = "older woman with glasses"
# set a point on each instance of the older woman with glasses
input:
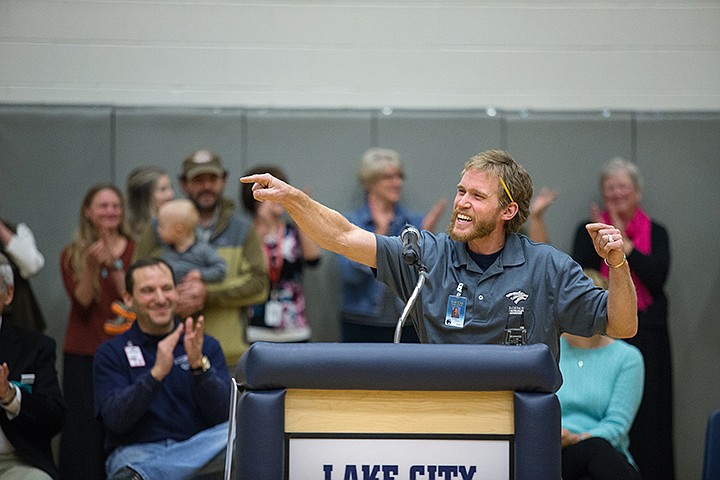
(369, 310)
(647, 251)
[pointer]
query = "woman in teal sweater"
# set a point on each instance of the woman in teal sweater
(601, 392)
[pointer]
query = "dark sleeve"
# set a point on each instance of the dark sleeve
(42, 411)
(212, 388)
(119, 403)
(583, 251)
(652, 269)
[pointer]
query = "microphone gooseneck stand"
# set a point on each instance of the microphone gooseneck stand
(411, 302)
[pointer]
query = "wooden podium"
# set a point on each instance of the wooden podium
(343, 411)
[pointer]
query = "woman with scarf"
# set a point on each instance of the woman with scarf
(647, 248)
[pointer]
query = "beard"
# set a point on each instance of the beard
(206, 201)
(481, 229)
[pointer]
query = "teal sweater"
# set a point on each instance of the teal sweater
(601, 391)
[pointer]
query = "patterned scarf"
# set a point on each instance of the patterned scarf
(637, 230)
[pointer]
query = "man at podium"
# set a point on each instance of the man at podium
(485, 282)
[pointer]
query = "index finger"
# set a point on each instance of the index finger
(255, 178)
(596, 227)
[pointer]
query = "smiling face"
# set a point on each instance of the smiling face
(476, 209)
(153, 298)
(620, 194)
(389, 185)
(105, 212)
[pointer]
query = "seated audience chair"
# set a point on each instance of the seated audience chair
(711, 461)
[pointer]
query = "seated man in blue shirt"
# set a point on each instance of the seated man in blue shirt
(162, 389)
(501, 286)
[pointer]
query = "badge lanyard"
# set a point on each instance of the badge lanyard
(456, 307)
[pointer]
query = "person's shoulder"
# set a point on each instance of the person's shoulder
(118, 341)
(627, 349)
(233, 215)
(112, 343)
(211, 342)
(232, 226)
(436, 237)
(621, 344)
(26, 335)
(546, 253)
(439, 241)
(359, 215)
(659, 226)
(527, 243)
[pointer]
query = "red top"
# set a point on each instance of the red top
(84, 332)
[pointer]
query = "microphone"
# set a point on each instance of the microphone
(410, 251)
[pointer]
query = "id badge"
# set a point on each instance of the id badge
(455, 313)
(134, 356)
(273, 313)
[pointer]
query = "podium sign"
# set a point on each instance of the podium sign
(328, 411)
(400, 435)
(376, 457)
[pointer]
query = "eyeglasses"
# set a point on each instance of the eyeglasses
(392, 176)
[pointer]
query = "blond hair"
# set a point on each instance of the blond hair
(516, 178)
(374, 162)
(179, 212)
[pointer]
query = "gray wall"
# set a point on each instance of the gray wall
(403, 54)
(49, 156)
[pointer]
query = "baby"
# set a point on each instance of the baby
(190, 259)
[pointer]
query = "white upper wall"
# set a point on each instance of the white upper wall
(561, 55)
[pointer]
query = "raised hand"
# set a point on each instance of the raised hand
(165, 357)
(608, 242)
(193, 341)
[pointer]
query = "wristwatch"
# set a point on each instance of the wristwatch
(204, 366)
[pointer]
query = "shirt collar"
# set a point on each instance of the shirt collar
(512, 255)
(138, 337)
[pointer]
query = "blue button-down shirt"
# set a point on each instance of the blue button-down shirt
(534, 283)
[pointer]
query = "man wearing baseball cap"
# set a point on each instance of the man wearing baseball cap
(203, 180)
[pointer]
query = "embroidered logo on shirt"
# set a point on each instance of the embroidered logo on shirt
(517, 297)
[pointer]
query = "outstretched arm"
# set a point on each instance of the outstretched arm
(325, 226)
(622, 300)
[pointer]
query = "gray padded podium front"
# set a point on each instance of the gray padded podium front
(267, 371)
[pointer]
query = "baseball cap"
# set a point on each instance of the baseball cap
(202, 161)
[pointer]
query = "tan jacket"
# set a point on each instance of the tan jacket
(246, 282)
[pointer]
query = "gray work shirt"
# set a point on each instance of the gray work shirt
(530, 283)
